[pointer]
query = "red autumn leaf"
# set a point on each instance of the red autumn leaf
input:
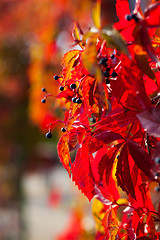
(141, 157)
(150, 120)
(130, 231)
(123, 174)
(106, 136)
(81, 171)
(68, 62)
(88, 92)
(152, 15)
(110, 222)
(63, 152)
(73, 140)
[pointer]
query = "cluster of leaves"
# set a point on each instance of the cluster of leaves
(111, 89)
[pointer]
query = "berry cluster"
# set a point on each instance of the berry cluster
(108, 67)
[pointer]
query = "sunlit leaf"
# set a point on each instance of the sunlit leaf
(68, 62)
(98, 212)
(76, 35)
(63, 152)
(141, 58)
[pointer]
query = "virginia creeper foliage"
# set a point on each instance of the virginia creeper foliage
(111, 87)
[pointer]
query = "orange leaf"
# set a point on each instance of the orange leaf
(68, 62)
(76, 36)
(141, 58)
(63, 152)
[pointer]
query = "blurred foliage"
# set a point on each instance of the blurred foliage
(32, 40)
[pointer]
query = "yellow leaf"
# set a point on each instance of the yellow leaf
(76, 35)
(96, 14)
(98, 212)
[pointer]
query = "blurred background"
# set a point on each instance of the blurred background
(37, 198)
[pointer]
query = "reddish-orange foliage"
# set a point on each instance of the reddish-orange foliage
(111, 90)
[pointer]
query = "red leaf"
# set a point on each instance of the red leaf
(152, 15)
(81, 170)
(106, 136)
(150, 120)
(123, 173)
(141, 157)
(63, 152)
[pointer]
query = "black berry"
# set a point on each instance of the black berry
(157, 174)
(56, 77)
(114, 74)
(93, 120)
(107, 81)
(61, 88)
(43, 100)
(44, 90)
(74, 99)
(63, 129)
(128, 17)
(49, 135)
(157, 160)
(134, 16)
(112, 56)
(78, 101)
(106, 74)
(103, 61)
(73, 86)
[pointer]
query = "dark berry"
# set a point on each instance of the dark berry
(43, 100)
(49, 135)
(61, 88)
(73, 86)
(44, 90)
(103, 61)
(157, 188)
(114, 74)
(157, 174)
(128, 17)
(93, 120)
(107, 81)
(157, 160)
(56, 77)
(112, 56)
(106, 74)
(134, 16)
(78, 101)
(74, 99)
(63, 129)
